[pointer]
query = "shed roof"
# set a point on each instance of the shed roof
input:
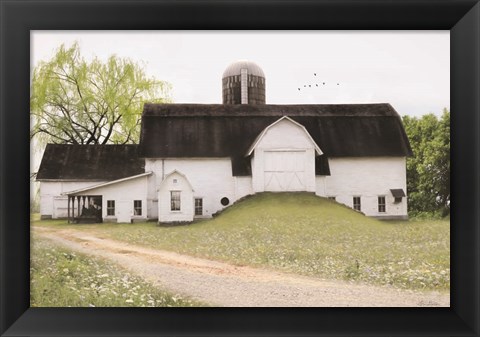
(398, 192)
(90, 162)
(217, 130)
(108, 183)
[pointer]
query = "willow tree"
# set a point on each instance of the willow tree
(76, 101)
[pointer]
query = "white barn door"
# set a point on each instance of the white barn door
(124, 211)
(285, 171)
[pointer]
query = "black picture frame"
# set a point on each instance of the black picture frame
(18, 17)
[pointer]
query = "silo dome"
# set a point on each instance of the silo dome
(243, 82)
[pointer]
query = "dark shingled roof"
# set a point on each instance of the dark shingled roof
(248, 110)
(90, 162)
(217, 130)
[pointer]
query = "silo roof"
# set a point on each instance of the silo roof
(235, 68)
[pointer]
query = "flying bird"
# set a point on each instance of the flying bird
(298, 88)
(314, 74)
(309, 85)
(316, 84)
(323, 83)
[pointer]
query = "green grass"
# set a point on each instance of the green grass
(61, 278)
(305, 234)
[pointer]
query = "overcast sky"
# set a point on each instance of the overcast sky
(410, 70)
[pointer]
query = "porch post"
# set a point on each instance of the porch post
(68, 209)
(73, 208)
(78, 202)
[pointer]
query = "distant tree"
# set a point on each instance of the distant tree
(79, 102)
(428, 171)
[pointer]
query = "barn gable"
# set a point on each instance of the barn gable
(286, 133)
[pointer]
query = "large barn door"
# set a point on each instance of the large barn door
(285, 171)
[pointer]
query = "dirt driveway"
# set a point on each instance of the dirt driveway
(222, 284)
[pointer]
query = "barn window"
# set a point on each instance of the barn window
(356, 204)
(398, 194)
(175, 200)
(137, 207)
(381, 204)
(198, 206)
(110, 207)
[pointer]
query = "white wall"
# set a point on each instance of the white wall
(124, 193)
(175, 182)
(211, 179)
(284, 136)
(243, 187)
(320, 186)
(368, 178)
(52, 203)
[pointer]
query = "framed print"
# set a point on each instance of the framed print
(282, 168)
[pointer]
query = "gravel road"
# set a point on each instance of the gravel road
(222, 284)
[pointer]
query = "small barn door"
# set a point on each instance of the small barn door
(124, 211)
(284, 171)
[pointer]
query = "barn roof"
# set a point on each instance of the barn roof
(250, 110)
(217, 130)
(90, 162)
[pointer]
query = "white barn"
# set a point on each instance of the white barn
(194, 160)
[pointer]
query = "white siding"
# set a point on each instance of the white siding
(124, 193)
(175, 182)
(367, 178)
(211, 179)
(243, 187)
(284, 136)
(52, 203)
(320, 186)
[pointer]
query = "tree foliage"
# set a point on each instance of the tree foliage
(90, 102)
(428, 171)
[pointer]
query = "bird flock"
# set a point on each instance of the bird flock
(315, 84)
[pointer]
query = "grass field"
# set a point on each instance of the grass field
(305, 234)
(60, 278)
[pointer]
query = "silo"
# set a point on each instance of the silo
(243, 82)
